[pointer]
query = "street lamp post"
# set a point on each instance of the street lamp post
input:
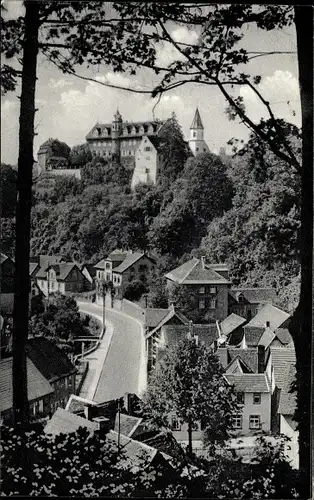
(104, 290)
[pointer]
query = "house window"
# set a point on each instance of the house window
(201, 304)
(237, 421)
(256, 398)
(240, 398)
(202, 289)
(147, 170)
(107, 265)
(107, 277)
(212, 289)
(147, 148)
(196, 149)
(241, 299)
(212, 304)
(255, 421)
(175, 424)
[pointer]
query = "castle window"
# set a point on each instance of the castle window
(201, 304)
(109, 131)
(212, 304)
(194, 134)
(129, 130)
(98, 130)
(145, 128)
(147, 148)
(130, 153)
(196, 149)
(147, 170)
(136, 130)
(204, 149)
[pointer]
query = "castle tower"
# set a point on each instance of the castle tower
(196, 141)
(116, 133)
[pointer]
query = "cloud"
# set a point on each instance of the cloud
(58, 84)
(281, 90)
(166, 53)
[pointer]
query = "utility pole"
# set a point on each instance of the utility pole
(119, 423)
(104, 289)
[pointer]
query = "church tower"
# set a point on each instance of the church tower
(196, 141)
(116, 131)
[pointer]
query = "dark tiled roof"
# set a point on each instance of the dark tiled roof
(154, 140)
(254, 295)
(166, 443)
(62, 270)
(248, 355)
(249, 382)
(235, 337)
(283, 335)
(197, 122)
(51, 361)
(175, 333)
(172, 312)
(270, 313)
(281, 357)
(129, 261)
(65, 422)
(253, 334)
(230, 323)
(128, 424)
(154, 316)
(288, 399)
(37, 385)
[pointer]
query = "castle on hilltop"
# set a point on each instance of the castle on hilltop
(137, 144)
(134, 144)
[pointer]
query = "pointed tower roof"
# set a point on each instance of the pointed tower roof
(197, 122)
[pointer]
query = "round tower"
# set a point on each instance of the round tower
(116, 131)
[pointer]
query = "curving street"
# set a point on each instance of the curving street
(117, 366)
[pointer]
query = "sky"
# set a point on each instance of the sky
(68, 107)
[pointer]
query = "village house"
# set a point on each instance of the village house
(39, 391)
(63, 278)
(54, 364)
(286, 412)
(207, 285)
(246, 302)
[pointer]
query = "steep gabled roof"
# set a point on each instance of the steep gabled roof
(249, 382)
(267, 337)
(65, 422)
(249, 356)
(130, 260)
(270, 313)
(154, 316)
(37, 385)
(230, 323)
(171, 313)
(49, 359)
(33, 267)
(254, 295)
(253, 335)
(206, 334)
(128, 424)
(63, 270)
(197, 122)
(281, 357)
(283, 335)
(238, 359)
(193, 271)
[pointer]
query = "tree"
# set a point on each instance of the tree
(174, 151)
(189, 382)
(80, 155)
(135, 290)
(8, 178)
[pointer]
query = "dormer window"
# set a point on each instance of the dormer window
(98, 130)
(145, 128)
(136, 130)
(241, 298)
(194, 134)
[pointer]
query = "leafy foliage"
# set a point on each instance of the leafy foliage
(8, 177)
(189, 383)
(60, 321)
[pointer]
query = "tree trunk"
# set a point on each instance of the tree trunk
(190, 433)
(301, 324)
(23, 213)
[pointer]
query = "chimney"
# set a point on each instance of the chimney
(267, 324)
(127, 402)
(203, 261)
(103, 423)
(260, 359)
